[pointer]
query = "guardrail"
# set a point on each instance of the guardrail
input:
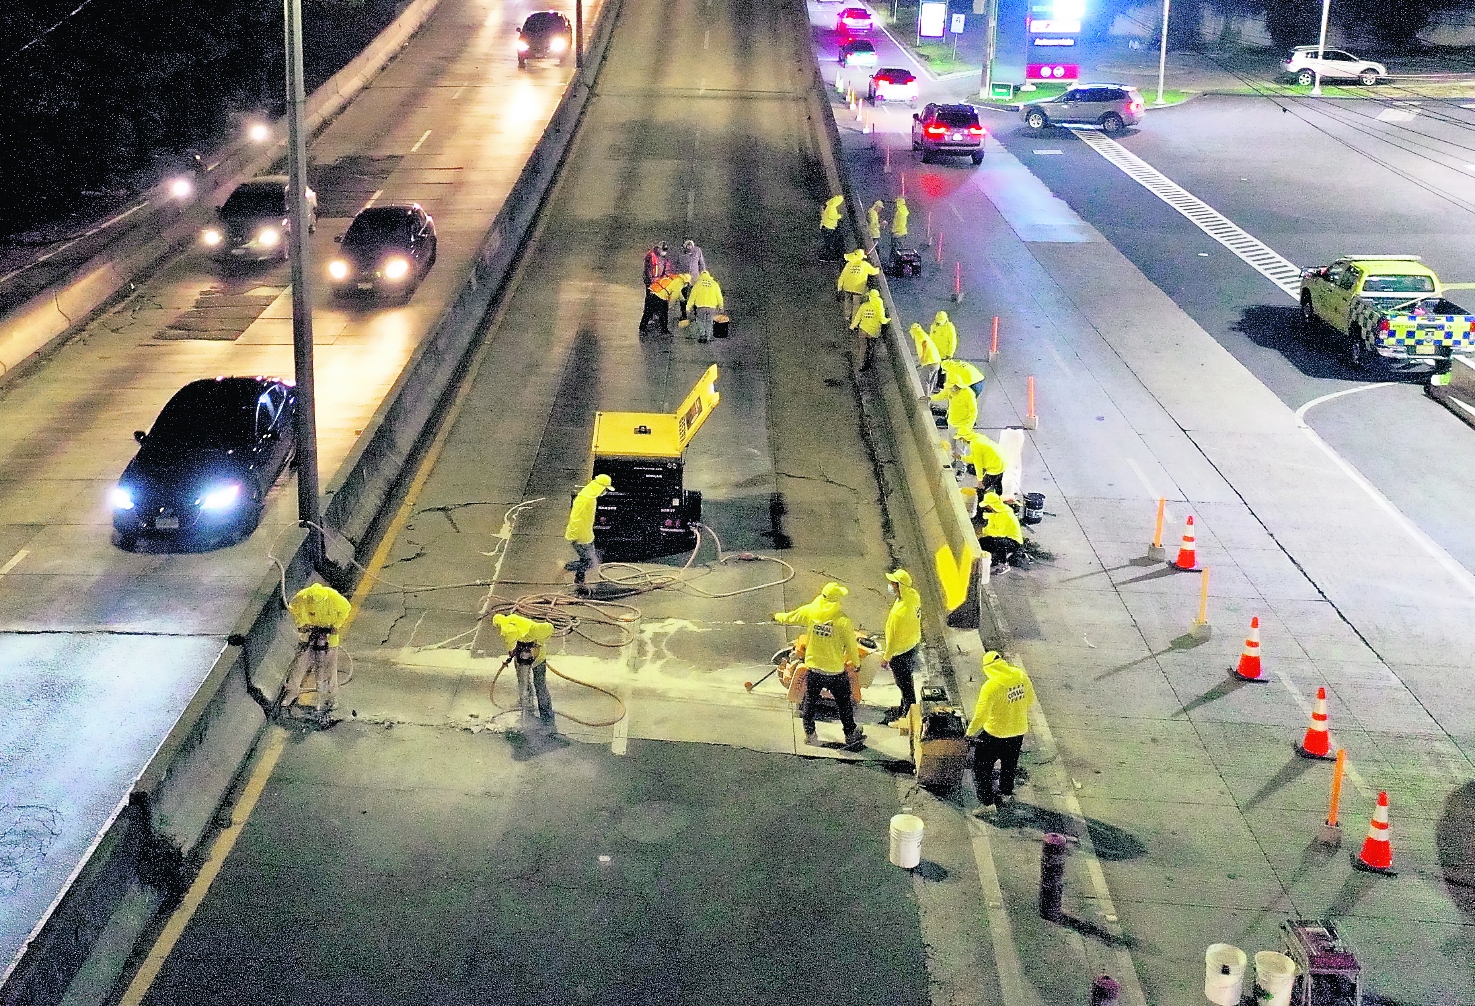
(145, 856)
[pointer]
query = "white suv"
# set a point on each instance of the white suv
(1306, 61)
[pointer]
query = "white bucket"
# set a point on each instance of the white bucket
(906, 840)
(1224, 974)
(1275, 978)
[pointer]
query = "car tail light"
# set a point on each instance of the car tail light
(1135, 106)
(522, 45)
(936, 130)
(976, 130)
(1383, 326)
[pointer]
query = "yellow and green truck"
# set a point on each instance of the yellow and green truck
(1391, 306)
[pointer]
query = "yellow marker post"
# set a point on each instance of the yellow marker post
(1155, 551)
(1201, 630)
(1331, 831)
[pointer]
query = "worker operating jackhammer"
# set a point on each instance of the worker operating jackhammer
(526, 639)
(830, 651)
(320, 613)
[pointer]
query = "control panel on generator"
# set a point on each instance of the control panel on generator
(649, 511)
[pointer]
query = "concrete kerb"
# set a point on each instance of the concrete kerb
(135, 245)
(156, 839)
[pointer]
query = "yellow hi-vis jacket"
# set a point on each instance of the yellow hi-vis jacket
(831, 635)
(855, 277)
(962, 372)
(580, 529)
(1002, 522)
(870, 316)
(670, 285)
(705, 292)
(521, 629)
(982, 453)
(318, 605)
(829, 217)
(903, 622)
(945, 334)
(962, 406)
(899, 218)
(1003, 701)
(873, 221)
(926, 348)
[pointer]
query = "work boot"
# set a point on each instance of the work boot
(855, 740)
(811, 738)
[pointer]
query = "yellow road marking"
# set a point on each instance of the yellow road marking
(953, 573)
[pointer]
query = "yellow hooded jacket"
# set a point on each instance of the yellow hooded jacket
(320, 605)
(831, 632)
(855, 277)
(962, 373)
(962, 406)
(1003, 701)
(521, 629)
(705, 292)
(829, 217)
(982, 453)
(899, 218)
(580, 529)
(904, 620)
(1002, 522)
(945, 334)
(870, 316)
(873, 220)
(926, 348)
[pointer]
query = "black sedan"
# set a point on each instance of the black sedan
(546, 34)
(204, 470)
(387, 250)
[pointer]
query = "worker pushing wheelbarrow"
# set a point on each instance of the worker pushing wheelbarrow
(825, 660)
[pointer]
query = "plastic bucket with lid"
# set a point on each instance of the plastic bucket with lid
(1034, 508)
(719, 326)
(1275, 978)
(1224, 974)
(906, 840)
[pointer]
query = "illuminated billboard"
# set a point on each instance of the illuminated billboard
(932, 23)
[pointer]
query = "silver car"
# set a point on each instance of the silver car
(1306, 61)
(1113, 107)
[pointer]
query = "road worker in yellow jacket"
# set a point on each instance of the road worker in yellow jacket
(903, 639)
(526, 640)
(854, 280)
(1000, 721)
(320, 613)
(1001, 536)
(704, 302)
(579, 532)
(868, 319)
(945, 334)
(829, 228)
(830, 647)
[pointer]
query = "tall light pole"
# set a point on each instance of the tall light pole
(1162, 55)
(991, 40)
(308, 505)
(1326, 7)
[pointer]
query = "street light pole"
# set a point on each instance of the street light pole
(306, 447)
(1326, 7)
(991, 40)
(1162, 56)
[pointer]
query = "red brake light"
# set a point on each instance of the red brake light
(1136, 106)
(976, 130)
(1383, 325)
(935, 130)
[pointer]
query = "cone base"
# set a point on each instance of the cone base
(1365, 867)
(1300, 750)
(1258, 679)
(1330, 835)
(1192, 566)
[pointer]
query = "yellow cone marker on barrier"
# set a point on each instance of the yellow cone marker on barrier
(1156, 552)
(1200, 629)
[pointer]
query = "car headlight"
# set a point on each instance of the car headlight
(121, 498)
(269, 236)
(338, 269)
(522, 45)
(221, 497)
(212, 237)
(558, 45)
(396, 268)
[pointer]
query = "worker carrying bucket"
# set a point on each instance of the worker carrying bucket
(525, 639)
(320, 613)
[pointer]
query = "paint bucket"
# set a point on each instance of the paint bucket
(1275, 978)
(719, 326)
(1034, 508)
(906, 840)
(1224, 974)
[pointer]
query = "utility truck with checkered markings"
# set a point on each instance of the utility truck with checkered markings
(1391, 306)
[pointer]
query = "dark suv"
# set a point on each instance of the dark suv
(1113, 107)
(948, 129)
(546, 34)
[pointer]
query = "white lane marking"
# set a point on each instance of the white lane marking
(376, 195)
(458, 91)
(1050, 348)
(1000, 929)
(706, 39)
(1299, 698)
(1431, 547)
(1395, 115)
(420, 141)
(14, 561)
(620, 743)
(1046, 153)
(1255, 253)
(956, 212)
(1152, 493)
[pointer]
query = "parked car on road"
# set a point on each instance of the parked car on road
(948, 130)
(204, 469)
(893, 84)
(546, 34)
(1113, 107)
(387, 250)
(254, 222)
(1306, 61)
(857, 52)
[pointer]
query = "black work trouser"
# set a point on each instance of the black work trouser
(837, 685)
(902, 667)
(990, 752)
(1002, 549)
(655, 310)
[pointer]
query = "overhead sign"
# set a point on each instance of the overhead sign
(1052, 71)
(932, 23)
(958, 23)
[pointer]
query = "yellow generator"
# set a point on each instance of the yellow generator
(649, 511)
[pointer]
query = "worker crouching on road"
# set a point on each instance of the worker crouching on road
(854, 281)
(831, 649)
(983, 456)
(903, 639)
(829, 229)
(1001, 536)
(962, 412)
(963, 374)
(996, 732)
(867, 320)
(580, 530)
(320, 613)
(666, 293)
(526, 639)
(704, 301)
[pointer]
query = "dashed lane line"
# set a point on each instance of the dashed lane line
(1254, 252)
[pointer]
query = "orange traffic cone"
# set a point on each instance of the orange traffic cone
(1317, 743)
(1377, 851)
(1249, 660)
(1186, 557)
